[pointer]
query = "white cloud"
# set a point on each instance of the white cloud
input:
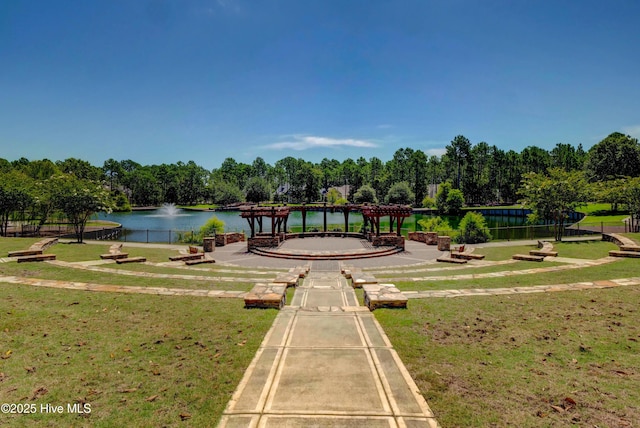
(634, 130)
(305, 142)
(435, 152)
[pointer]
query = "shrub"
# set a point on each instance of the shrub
(428, 202)
(341, 201)
(473, 229)
(436, 224)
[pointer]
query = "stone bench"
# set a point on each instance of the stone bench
(114, 256)
(198, 261)
(131, 260)
(44, 244)
(301, 271)
(467, 256)
(266, 296)
(184, 257)
(359, 279)
(35, 249)
(452, 259)
(36, 258)
(628, 247)
(288, 279)
(527, 257)
(619, 253)
(21, 253)
(383, 296)
(545, 249)
(115, 252)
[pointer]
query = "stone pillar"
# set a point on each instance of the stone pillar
(209, 244)
(431, 238)
(444, 243)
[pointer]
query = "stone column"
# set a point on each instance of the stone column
(209, 244)
(444, 243)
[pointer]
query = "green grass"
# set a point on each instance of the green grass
(506, 360)
(52, 272)
(138, 360)
(623, 268)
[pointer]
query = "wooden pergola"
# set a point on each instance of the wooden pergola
(278, 216)
(396, 213)
(371, 215)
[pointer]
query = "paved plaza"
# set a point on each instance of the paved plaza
(327, 362)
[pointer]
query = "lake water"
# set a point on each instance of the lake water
(155, 226)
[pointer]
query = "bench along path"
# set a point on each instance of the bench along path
(326, 362)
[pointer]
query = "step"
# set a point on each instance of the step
(36, 258)
(451, 260)
(114, 256)
(527, 257)
(632, 248)
(266, 296)
(198, 261)
(630, 254)
(131, 260)
(383, 296)
(21, 253)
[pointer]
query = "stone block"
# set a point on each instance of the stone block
(266, 296)
(383, 296)
(444, 243)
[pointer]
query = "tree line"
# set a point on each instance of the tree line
(475, 174)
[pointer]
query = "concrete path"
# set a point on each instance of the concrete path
(326, 363)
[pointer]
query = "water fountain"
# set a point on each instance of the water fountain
(168, 210)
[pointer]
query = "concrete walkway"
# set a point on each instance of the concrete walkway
(326, 362)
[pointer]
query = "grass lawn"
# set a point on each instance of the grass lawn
(49, 271)
(138, 360)
(558, 359)
(623, 268)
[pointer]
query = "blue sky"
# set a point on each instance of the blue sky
(161, 81)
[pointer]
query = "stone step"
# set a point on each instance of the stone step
(527, 257)
(131, 260)
(633, 248)
(383, 296)
(618, 253)
(36, 258)
(266, 296)
(451, 260)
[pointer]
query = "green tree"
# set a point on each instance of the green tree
(554, 195)
(473, 229)
(632, 199)
(449, 200)
(15, 196)
(227, 193)
(333, 195)
(618, 155)
(79, 199)
(257, 190)
(455, 201)
(366, 194)
(400, 193)
(457, 156)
